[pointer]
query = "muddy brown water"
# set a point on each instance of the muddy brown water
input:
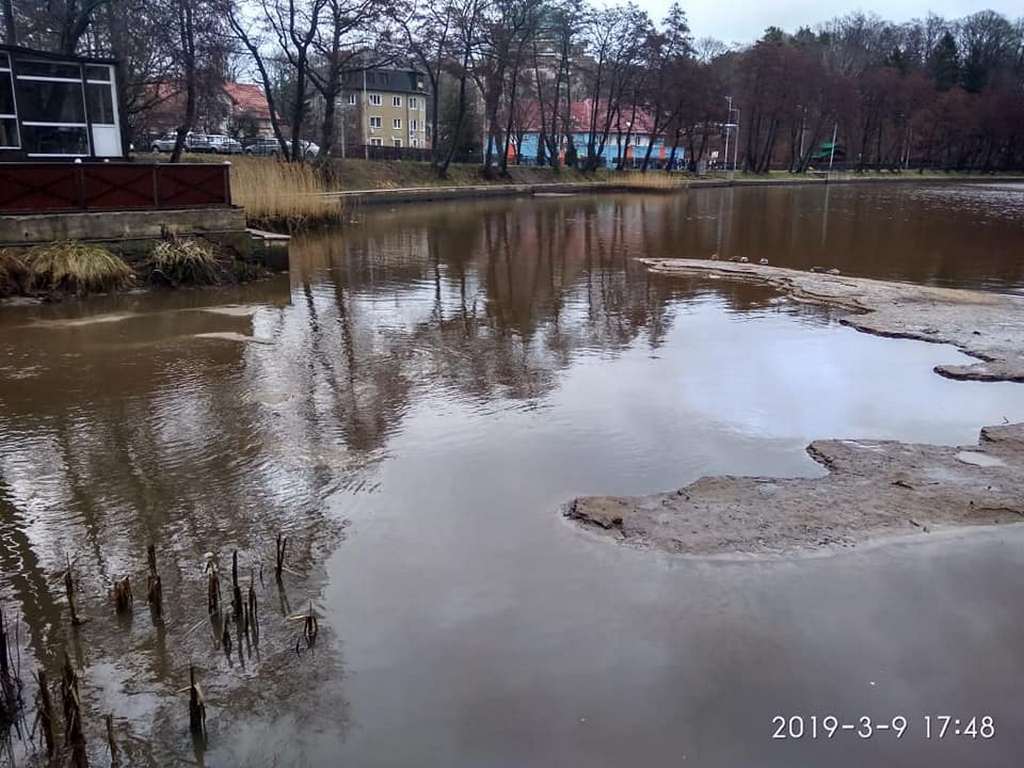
(412, 405)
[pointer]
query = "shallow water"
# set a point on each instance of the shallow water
(414, 403)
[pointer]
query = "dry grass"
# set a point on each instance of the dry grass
(79, 268)
(184, 261)
(14, 273)
(274, 192)
(653, 179)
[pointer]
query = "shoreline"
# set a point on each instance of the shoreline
(874, 488)
(402, 195)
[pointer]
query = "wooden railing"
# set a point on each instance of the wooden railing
(64, 187)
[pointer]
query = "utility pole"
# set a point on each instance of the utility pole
(725, 154)
(832, 153)
(736, 144)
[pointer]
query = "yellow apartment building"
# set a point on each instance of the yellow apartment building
(385, 108)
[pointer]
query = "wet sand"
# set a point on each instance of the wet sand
(873, 488)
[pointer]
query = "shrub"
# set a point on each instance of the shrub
(185, 261)
(79, 268)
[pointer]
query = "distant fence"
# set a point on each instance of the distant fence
(62, 187)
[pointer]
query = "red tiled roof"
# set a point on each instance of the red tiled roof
(248, 98)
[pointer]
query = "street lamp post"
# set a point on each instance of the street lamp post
(725, 155)
(729, 125)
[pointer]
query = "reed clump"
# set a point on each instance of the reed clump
(184, 261)
(276, 193)
(14, 273)
(652, 179)
(75, 268)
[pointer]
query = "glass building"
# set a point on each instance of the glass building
(57, 106)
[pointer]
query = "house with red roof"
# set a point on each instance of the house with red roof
(234, 108)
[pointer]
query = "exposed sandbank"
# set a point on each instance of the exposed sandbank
(873, 488)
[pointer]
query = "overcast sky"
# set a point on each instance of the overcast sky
(744, 20)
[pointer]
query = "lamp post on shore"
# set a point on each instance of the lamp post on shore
(730, 125)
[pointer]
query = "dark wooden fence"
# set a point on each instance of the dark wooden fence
(63, 187)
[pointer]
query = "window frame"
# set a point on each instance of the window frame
(376, 121)
(396, 101)
(86, 124)
(14, 99)
(375, 99)
(396, 123)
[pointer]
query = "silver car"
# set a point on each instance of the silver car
(224, 145)
(194, 142)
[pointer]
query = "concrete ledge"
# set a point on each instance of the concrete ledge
(32, 229)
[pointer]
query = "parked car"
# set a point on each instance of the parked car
(272, 148)
(224, 145)
(194, 142)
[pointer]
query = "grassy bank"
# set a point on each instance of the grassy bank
(62, 269)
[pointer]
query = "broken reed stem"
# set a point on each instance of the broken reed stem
(10, 679)
(196, 706)
(213, 589)
(154, 587)
(123, 597)
(252, 611)
(282, 545)
(115, 753)
(236, 602)
(310, 627)
(225, 637)
(69, 590)
(74, 736)
(44, 714)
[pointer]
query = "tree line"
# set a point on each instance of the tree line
(932, 92)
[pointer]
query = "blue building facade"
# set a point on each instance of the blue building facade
(613, 149)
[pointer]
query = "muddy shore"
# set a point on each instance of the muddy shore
(873, 488)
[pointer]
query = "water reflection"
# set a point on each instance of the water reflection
(444, 376)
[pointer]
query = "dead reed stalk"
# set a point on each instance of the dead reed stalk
(123, 597)
(74, 736)
(212, 589)
(236, 591)
(154, 586)
(44, 712)
(10, 675)
(196, 706)
(252, 611)
(282, 545)
(69, 590)
(115, 753)
(310, 625)
(225, 637)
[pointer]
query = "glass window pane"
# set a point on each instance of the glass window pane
(9, 133)
(101, 103)
(5, 61)
(54, 140)
(50, 102)
(48, 68)
(95, 72)
(6, 94)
